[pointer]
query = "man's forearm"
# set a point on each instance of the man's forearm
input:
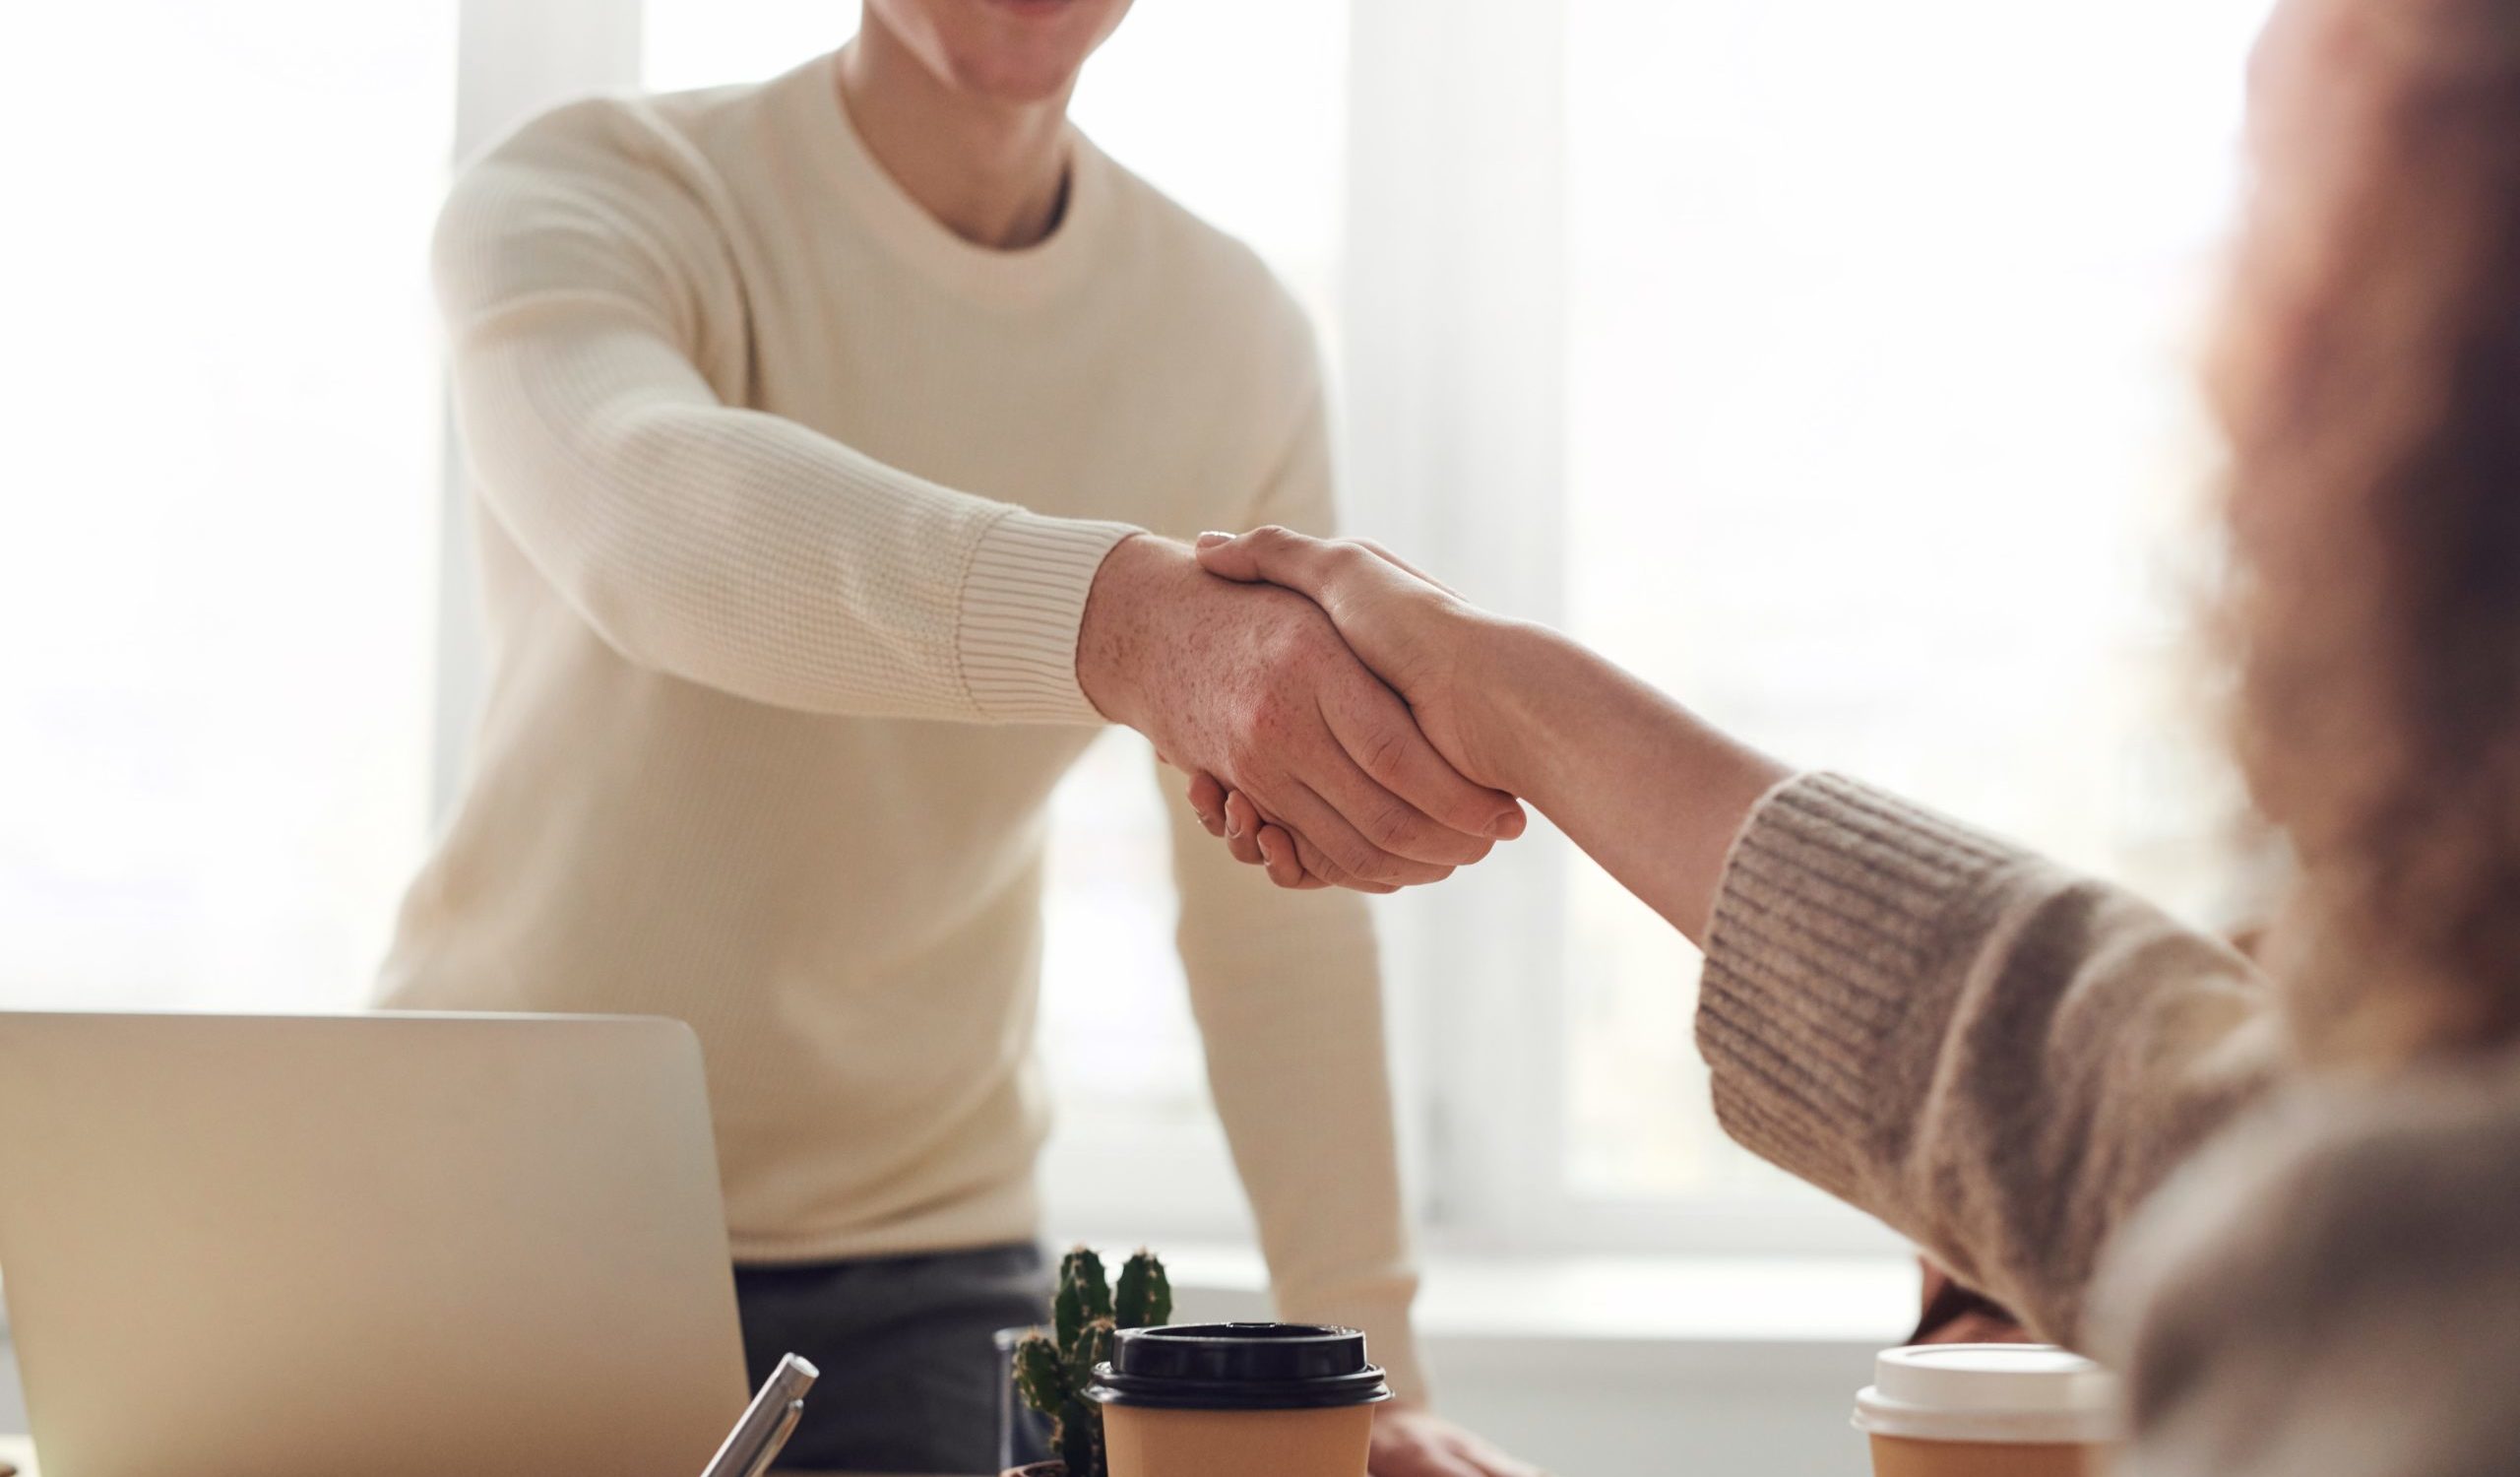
(1648, 790)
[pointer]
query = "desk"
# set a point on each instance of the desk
(15, 1448)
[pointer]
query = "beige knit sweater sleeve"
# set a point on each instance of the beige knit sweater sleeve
(595, 322)
(1997, 1057)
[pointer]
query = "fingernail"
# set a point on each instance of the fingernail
(1233, 828)
(1210, 539)
(1507, 826)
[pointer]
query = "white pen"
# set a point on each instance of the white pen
(766, 1423)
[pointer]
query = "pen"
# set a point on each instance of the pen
(755, 1442)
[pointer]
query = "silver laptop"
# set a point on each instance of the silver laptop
(369, 1246)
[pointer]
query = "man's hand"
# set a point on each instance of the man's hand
(1407, 627)
(1252, 684)
(1413, 631)
(1411, 1441)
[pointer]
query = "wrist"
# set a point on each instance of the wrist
(1513, 672)
(1119, 629)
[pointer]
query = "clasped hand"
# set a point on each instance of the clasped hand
(1266, 665)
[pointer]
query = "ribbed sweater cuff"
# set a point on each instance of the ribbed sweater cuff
(1835, 904)
(1023, 599)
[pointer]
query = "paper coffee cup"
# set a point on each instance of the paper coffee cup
(1980, 1410)
(1238, 1400)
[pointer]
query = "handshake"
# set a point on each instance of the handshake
(1327, 700)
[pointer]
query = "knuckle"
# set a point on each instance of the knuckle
(1345, 857)
(1263, 714)
(1381, 867)
(1385, 754)
(1394, 826)
(1292, 646)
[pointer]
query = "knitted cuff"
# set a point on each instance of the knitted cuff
(1836, 903)
(1023, 600)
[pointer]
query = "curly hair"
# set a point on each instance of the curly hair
(2368, 378)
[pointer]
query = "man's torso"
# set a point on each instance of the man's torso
(846, 907)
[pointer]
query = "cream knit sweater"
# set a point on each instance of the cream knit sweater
(789, 502)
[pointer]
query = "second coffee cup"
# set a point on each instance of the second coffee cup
(1989, 1410)
(1238, 1400)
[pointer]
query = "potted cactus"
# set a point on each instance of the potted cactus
(1053, 1368)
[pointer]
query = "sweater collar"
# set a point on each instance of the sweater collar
(811, 106)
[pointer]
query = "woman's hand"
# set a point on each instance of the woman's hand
(1413, 632)
(1645, 787)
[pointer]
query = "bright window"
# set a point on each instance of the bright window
(222, 429)
(1882, 446)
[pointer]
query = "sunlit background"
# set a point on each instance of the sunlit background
(1839, 353)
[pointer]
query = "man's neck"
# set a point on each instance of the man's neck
(993, 173)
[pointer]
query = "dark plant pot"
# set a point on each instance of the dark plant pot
(1038, 1469)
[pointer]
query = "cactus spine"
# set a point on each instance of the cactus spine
(1053, 1370)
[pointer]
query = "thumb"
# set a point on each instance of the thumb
(1227, 556)
(1273, 554)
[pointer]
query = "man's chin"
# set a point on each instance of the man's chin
(1035, 47)
(1018, 86)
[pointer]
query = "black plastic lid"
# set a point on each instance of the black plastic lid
(1238, 1367)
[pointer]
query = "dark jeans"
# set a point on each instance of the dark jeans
(910, 1370)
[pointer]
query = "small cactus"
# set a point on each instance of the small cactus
(1145, 1296)
(1053, 1370)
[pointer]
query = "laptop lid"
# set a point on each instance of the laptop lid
(390, 1245)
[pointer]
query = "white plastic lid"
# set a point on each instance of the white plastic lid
(2034, 1393)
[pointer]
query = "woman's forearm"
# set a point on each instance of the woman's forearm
(1893, 995)
(1648, 790)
